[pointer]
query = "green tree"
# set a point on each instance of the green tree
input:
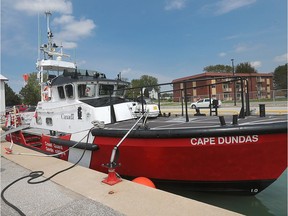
(32, 91)
(144, 80)
(245, 68)
(218, 68)
(280, 77)
(11, 98)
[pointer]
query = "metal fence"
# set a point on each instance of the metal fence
(273, 95)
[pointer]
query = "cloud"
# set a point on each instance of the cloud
(226, 6)
(37, 6)
(256, 64)
(66, 44)
(232, 37)
(72, 29)
(175, 4)
(241, 48)
(126, 71)
(282, 58)
(222, 54)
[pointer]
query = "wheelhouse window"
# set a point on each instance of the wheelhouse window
(106, 89)
(86, 90)
(69, 91)
(120, 90)
(61, 92)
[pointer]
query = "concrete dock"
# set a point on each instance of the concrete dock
(80, 191)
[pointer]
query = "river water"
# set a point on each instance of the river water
(271, 201)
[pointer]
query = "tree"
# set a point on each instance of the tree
(11, 98)
(280, 77)
(144, 80)
(218, 68)
(245, 68)
(32, 91)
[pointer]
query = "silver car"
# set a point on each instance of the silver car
(205, 103)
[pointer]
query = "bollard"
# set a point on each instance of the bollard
(222, 120)
(235, 120)
(262, 110)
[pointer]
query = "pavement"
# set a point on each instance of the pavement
(80, 191)
(271, 108)
(46, 198)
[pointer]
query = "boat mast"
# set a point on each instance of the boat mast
(49, 35)
(51, 59)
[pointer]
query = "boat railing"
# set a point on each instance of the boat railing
(184, 86)
(82, 72)
(13, 117)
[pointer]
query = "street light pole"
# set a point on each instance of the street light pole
(234, 84)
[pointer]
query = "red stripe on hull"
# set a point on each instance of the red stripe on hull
(245, 158)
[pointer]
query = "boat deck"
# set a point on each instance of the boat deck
(175, 123)
(179, 122)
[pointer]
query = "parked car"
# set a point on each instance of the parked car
(21, 107)
(205, 103)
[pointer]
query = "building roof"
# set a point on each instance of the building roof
(215, 74)
(3, 78)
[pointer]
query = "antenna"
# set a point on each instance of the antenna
(49, 34)
(48, 14)
(39, 42)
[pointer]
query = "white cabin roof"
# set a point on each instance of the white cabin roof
(55, 65)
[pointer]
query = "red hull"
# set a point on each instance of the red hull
(179, 159)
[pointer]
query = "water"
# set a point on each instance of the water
(271, 201)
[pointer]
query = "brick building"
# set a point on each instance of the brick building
(259, 85)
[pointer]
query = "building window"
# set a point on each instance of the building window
(225, 86)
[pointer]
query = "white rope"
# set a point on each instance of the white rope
(120, 142)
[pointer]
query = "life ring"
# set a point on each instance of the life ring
(45, 93)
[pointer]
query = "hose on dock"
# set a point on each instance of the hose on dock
(36, 174)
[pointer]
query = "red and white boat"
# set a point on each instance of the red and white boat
(85, 115)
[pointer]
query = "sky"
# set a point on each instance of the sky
(166, 39)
